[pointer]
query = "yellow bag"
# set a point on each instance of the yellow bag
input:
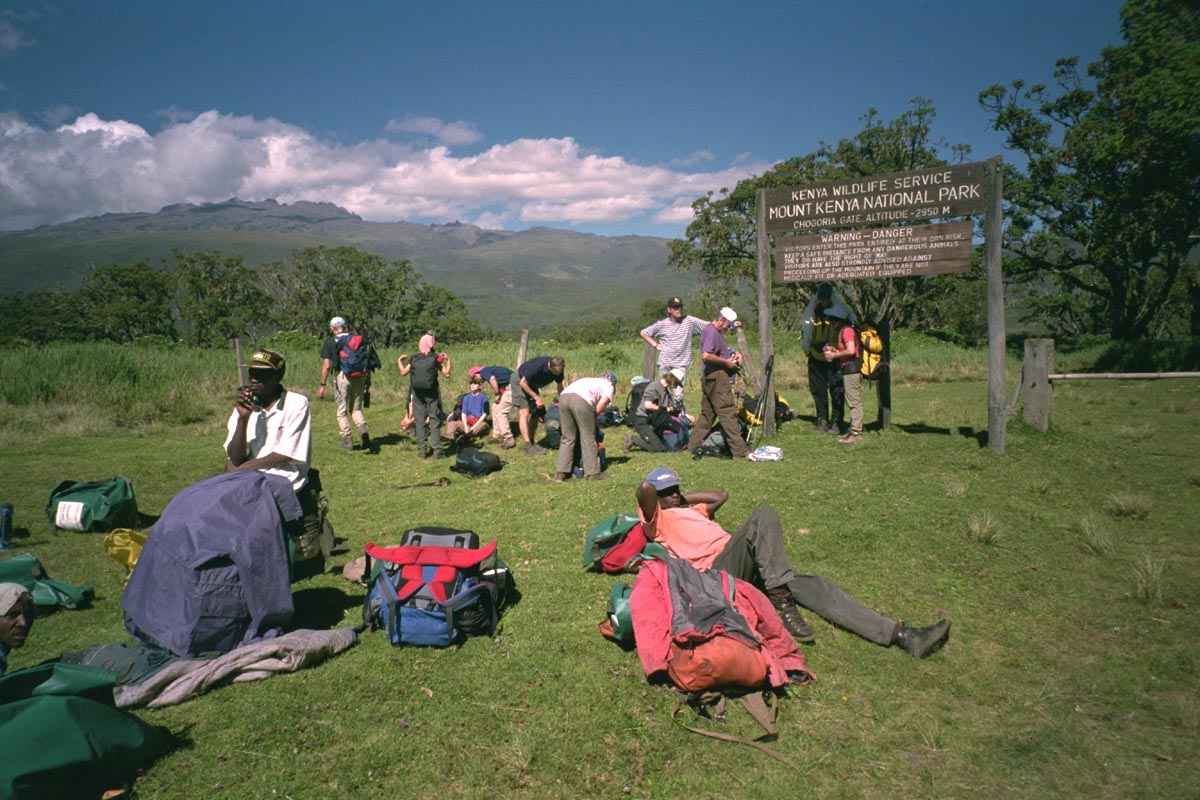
(124, 545)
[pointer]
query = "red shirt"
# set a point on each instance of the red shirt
(689, 533)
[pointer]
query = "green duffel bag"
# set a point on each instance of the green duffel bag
(48, 593)
(93, 505)
(62, 737)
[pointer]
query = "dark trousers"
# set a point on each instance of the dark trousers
(755, 553)
(428, 404)
(647, 438)
(825, 384)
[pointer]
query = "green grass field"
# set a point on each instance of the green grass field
(1068, 567)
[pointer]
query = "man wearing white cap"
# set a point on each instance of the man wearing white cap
(720, 364)
(16, 619)
(348, 390)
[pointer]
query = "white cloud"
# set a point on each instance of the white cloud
(92, 166)
(12, 38)
(448, 133)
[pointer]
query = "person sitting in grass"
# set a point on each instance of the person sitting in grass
(16, 619)
(684, 525)
(471, 417)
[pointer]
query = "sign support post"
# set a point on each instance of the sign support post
(992, 225)
(766, 337)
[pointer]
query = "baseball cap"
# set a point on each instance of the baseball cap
(678, 373)
(266, 359)
(337, 322)
(662, 478)
(10, 595)
(729, 314)
(610, 377)
(675, 302)
(473, 372)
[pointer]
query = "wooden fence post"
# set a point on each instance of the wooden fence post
(521, 349)
(1039, 393)
(649, 362)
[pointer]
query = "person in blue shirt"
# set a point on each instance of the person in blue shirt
(471, 417)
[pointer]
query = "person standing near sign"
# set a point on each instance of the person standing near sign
(845, 355)
(824, 376)
(717, 403)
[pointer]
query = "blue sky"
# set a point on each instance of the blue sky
(605, 117)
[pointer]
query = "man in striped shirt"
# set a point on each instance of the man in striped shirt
(672, 337)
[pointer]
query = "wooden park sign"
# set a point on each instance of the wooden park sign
(809, 225)
(895, 252)
(952, 191)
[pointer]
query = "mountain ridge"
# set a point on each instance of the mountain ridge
(546, 275)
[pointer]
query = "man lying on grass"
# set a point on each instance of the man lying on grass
(684, 525)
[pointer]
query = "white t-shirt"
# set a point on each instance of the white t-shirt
(285, 429)
(592, 389)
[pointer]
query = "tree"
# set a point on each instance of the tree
(123, 303)
(722, 239)
(1105, 211)
(388, 302)
(217, 298)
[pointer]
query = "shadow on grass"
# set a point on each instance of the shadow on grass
(919, 427)
(981, 437)
(324, 607)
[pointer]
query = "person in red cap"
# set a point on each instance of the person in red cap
(499, 379)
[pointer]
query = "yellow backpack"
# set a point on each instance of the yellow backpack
(870, 350)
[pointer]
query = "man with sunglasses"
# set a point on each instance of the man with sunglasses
(755, 553)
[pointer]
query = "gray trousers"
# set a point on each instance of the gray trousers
(428, 404)
(755, 553)
(578, 419)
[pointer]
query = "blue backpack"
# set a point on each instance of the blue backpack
(354, 355)
(437, 587)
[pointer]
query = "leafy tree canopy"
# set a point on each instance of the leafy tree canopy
(1107, 207)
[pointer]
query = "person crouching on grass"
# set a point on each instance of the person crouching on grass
(472, 417)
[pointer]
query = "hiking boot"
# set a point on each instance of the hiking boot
(563, 477)
(793, 620)
(422, 452)
(822, 426)
(850, 438)
(366, 442)
(599, 476)
(438, 454)
(508, 444)
(834, 429)
(920, 642)
(532, 449)
(628, 445)
(347, 444)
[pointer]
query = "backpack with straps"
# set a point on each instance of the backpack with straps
(870, 349)
(437, 587)
(424, 371)
(354, 355)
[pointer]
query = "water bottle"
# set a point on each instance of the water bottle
(6, 512)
